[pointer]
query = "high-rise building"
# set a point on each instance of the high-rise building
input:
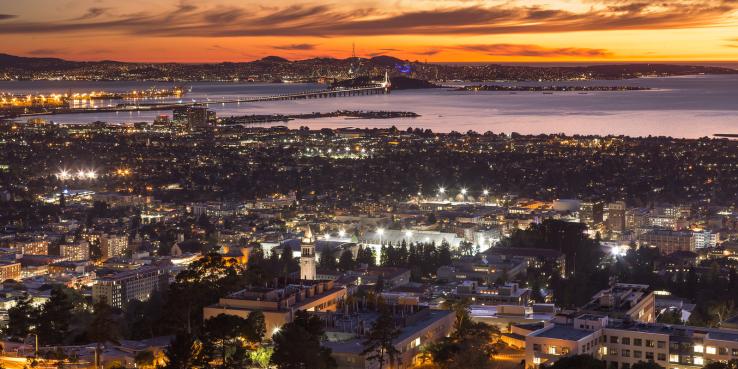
(616, 217)
(307, 262)
(591, 213)
(113, 245)
(138, 284)
(195, 117)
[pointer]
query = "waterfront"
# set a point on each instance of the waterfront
(694, 106)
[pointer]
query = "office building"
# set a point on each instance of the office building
(592, 213)
(616, 217)
(667, 241)
(138, 284)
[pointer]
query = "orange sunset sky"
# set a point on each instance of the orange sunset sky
(433, 30)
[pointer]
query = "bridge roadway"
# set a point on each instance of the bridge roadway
(380, 88)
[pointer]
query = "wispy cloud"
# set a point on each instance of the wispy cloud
(187, 19)
(93, 12)
(296, 47)
(535, 50)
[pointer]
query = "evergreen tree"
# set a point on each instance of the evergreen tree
(346, 262)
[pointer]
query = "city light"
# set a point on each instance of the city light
(441, 190)
(341, 233)
(408, 233)
(485, 192)
(327, 236)
(380, 231)
(63, 174)
(463, 191)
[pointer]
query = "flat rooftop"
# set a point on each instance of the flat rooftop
(563, 332)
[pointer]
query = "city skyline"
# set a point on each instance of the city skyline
(437, 31)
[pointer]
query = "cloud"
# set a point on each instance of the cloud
(535, 50)
(427, 52)
(188, 20)
(93, 12)
(7, 16)
(296, 47)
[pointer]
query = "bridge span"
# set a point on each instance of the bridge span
(373, 89)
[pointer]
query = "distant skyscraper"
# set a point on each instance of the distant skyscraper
(616, 217)
(591, 213)
(196, 117)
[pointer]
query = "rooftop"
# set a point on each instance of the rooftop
(563, 332)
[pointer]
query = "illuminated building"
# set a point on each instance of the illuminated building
(138, 284)
(279, 304)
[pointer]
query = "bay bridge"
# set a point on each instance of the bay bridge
(378, 88)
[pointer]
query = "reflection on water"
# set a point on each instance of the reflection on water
(693, 106)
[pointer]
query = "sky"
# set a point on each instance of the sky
(432, 30)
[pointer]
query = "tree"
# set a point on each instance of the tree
(183, 352)
(646, 365)
(469, 346)
(20, 318)
(144, 359)
(256, 326)
(732, 364)
(103, 328)
(346, 261)
(578, 362)
(54, 320)
(223, 337)
(297, 345)
(379, 345)
(201, 284)
(261, 357)
(328, 260)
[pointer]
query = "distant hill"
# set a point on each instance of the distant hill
(385, 60)
(275, 68)
(274, 59)
(12, 61)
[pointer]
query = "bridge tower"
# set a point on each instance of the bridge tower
(386, 84)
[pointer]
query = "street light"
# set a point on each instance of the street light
(463, 191)
(341, 233)
(380, 232)
(485, 192)
(441, 190)
(408, 234)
